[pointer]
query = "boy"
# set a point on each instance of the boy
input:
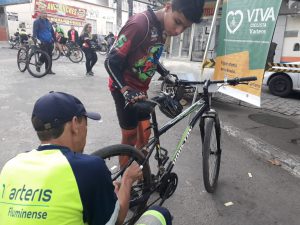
(134, 59)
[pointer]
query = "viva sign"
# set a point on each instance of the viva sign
(246, 31)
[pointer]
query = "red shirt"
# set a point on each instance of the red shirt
(133, 59)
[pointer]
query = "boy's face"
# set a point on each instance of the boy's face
(174, 22)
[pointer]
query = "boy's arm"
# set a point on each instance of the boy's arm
(131, 35)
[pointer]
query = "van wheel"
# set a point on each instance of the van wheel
(280, 85)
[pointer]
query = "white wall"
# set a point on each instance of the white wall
(293, 24)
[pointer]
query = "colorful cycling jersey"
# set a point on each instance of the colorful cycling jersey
(133, 59)
(55, 186)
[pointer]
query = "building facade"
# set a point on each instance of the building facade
(100, 13)
(192, 43)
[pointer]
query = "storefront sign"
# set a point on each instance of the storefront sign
(13, 2)
(12, 16)
(66, 21)
(59, 9)
(246, 31)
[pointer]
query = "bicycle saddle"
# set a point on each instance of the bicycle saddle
(145, 106)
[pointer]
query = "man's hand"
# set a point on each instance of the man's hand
(133, 173)
(132, 96)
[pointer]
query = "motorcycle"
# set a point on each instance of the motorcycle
(14, 41)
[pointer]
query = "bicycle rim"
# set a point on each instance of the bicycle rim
(34, 67)
(76, 55)
(55, 54)
(140, 189)
(21, 59)
(211, 155)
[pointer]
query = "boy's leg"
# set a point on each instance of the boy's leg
(143, 133)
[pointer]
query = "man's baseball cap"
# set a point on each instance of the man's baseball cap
(57, 108)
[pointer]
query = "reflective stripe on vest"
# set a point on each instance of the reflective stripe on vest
(151, 217)
(39, 187)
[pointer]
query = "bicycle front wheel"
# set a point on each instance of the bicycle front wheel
(55, 54)
(34, 65)
(211, 153)
(21, 59)
(140, 191)
(75, 55)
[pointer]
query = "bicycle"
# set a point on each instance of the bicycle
(70, 50)
(165, 181)
(29, 56)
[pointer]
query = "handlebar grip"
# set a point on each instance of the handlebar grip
(242, 79)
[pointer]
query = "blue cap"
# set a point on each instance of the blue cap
(57, 108)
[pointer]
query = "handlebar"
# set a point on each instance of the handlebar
(234, 81)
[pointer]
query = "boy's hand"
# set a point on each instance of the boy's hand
(132, 96)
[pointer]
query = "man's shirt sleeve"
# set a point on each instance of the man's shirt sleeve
(129, 38)
(96, 190)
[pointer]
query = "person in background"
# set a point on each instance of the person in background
(43, 31)
(23, 36)
(73, 35)
(88, 47)
(110, 39)
(60, 37)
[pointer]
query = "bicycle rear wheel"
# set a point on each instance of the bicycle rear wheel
(141, 189)
(211, 153)
(21, 59)
(34, 67)
(75, 55)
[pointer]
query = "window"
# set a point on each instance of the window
(297, 47)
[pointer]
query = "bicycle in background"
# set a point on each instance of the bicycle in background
(29, 58)
(165, 181)
(70, 50)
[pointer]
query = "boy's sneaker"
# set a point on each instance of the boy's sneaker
(89, 74)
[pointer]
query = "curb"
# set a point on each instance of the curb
(259, 147)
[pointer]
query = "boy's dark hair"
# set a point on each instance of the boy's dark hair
(191, 9)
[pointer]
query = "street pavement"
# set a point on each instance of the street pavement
(269, 196)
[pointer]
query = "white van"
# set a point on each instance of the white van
(283, 83)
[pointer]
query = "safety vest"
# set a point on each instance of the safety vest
(39, 187)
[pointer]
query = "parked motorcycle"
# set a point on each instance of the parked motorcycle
(14, 41)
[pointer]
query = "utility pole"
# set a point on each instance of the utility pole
(119, 15)
(130, 8)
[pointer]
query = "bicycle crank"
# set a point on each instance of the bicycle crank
(168, 185)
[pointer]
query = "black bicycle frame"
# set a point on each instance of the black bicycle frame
(201, 106)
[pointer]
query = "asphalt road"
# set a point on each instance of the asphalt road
(271, 196)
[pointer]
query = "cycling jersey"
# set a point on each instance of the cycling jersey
(133, 59)
(55, 186)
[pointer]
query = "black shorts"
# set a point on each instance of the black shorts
(128, 117)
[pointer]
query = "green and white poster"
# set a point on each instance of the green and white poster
(246, 31)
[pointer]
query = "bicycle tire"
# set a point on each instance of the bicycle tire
(36, 53)
(79, 59)
(55, 54)
(22, 59)
(103, 50)
(115, 151)
(212, 130)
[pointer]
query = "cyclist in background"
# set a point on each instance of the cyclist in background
(59, 37)
(73, 35)
(43, 31)
(134, 58)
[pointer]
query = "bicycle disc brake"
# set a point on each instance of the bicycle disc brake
(168, 185)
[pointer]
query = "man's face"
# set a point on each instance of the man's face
(43, 15)
(174, 22)
(72, 28)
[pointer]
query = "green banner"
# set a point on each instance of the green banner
(246, 31)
